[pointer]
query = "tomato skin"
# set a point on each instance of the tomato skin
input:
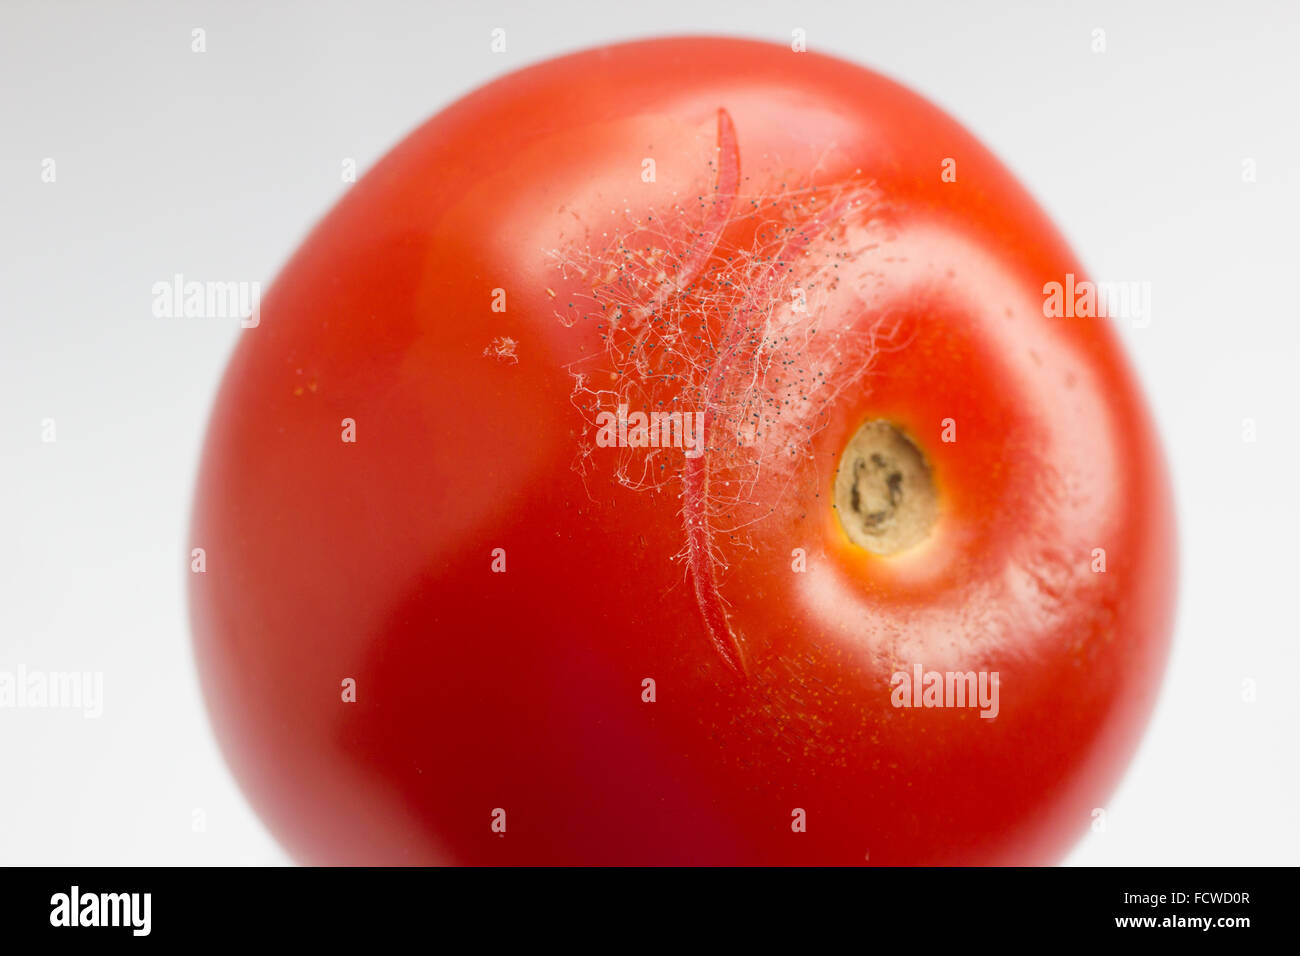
(522, 691)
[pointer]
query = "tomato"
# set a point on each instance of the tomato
(888, 578)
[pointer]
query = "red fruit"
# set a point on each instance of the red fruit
(794, 268)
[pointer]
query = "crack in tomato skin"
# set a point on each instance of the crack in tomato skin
(695, 474)
(737, 355)
(694, 316)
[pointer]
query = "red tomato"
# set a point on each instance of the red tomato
(457, 609)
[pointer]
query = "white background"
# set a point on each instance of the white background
(214, 165)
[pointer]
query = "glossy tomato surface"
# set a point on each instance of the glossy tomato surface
(445, 619)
